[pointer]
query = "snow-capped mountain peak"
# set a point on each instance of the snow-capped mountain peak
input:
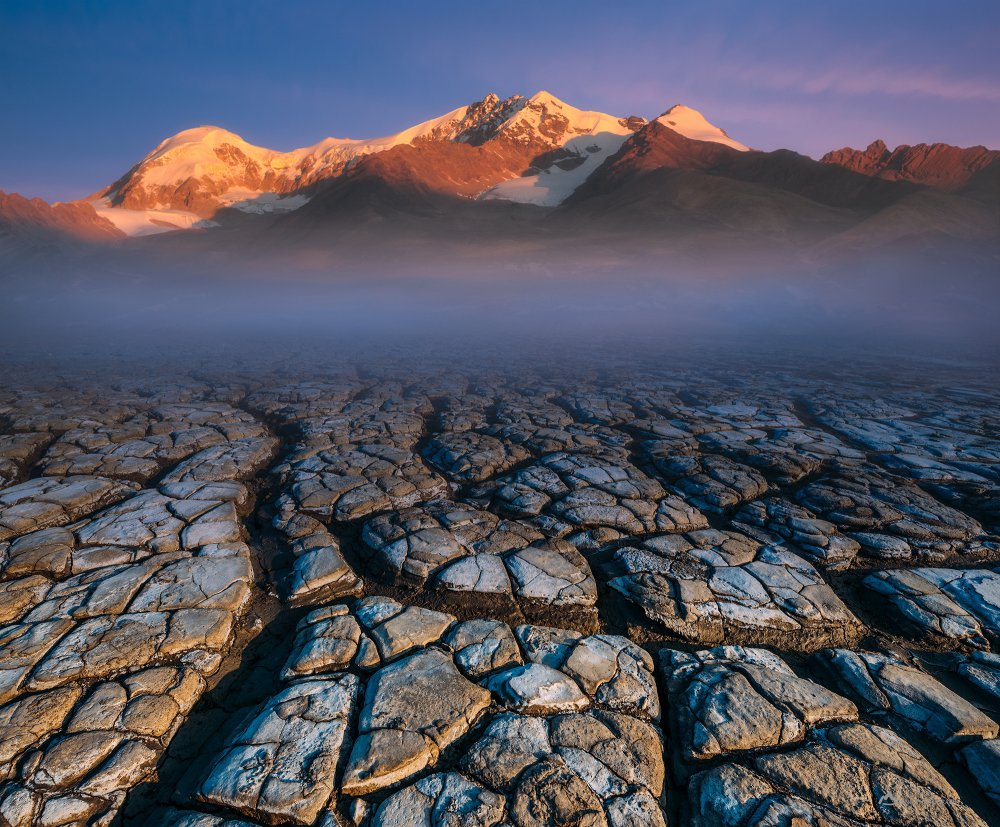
(442, 128)
(205, 135)
(483, 118)
(203, 150)
(549, 147)
(199, 170)
(572, 142)
(692, 124)
(546, 119)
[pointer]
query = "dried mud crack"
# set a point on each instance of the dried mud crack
(401, 594)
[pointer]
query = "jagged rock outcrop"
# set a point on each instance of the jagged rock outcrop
(32, 220)
(935, 165)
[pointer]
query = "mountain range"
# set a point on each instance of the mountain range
(532, 172)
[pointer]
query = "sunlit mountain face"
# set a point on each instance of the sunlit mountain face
(592, 460)
(520, 186)
(538, 151)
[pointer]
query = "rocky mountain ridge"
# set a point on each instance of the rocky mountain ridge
(936, 165)
(208, 168)
(536, 171)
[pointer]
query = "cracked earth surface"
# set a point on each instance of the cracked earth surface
(396, 595)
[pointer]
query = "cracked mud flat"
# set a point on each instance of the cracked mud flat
(405, 593)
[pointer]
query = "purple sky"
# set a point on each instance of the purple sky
(90, 87)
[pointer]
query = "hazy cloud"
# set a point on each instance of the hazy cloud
(854, 79)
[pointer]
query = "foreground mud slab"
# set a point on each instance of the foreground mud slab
(394, 594)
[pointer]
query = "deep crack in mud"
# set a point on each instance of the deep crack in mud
(394, 595)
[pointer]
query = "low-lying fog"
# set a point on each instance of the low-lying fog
(913, 308)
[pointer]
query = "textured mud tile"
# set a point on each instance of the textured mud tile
(445, 799)
(326, 640)
(281, 767)
(610, 669)
(578, 768)
(552, 573)
(713, 586)
(845, 776)
(241, 459)
(732, 699)
(892, 520)
(468, 456)
(28, 721)
(182, 818)
(483, 647)
(55, 501)
(817, 540)
(591, 491)
(354, 483)
(410, 545)
(882, 683)
(413, 709)
(17, 451)
(960, 605)
(983, 761)
(710, 483)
